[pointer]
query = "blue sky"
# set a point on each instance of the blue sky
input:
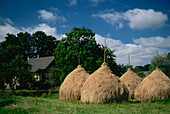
(137, 28)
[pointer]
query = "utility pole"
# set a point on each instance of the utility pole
(129, 60)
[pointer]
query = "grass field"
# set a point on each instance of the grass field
(49, 102)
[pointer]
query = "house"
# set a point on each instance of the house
(40, 66)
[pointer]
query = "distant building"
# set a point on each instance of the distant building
(40, 66)
(146, 73)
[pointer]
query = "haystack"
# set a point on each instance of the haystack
(71, 87)
(131, 80)
(154, 86)
(103, 87)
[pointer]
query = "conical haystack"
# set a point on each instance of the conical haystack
(103, 87)
(131, 80)
(71, 87)
(154, 86)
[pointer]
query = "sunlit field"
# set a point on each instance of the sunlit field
(48, 102)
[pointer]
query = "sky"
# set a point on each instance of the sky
(138, 28)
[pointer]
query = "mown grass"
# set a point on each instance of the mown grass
(50, 103)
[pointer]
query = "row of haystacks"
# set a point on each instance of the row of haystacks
(103, 86)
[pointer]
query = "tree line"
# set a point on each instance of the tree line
(78, 47)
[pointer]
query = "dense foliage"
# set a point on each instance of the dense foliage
(13, 66)
(37, 43)
(162, 62)
(52, 77)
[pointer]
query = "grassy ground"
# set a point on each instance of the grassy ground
(49, 103)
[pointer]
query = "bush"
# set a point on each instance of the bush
(44, 95)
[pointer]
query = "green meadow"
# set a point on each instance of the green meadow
(33, 101)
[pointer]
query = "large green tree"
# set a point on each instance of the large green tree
(14, 67)
(162, 62)
(37, 43)
(80, 47)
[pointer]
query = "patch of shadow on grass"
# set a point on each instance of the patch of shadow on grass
(134, 101)
(6, 103)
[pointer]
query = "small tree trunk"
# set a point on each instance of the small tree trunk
(13, 87)
(13, 84)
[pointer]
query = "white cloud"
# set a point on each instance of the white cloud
(72, 2)
(136, 18)
(49, 16)
(6, 20)
(42, 27)
(7, 28)
(120, 26)
(141, 19)
(140, 55)
(61, 36)
(157, 41)
(46, 15)
(111, 18)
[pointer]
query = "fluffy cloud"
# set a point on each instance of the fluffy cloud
(42, 27)
(111, 18)
(136, 18)
(72, 2)
(157, 41)
(46, 15)
(7, 28)
(139, 54)
(49, 16)
(141, 19)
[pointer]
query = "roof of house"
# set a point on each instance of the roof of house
(40, 63)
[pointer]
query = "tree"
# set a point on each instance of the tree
(42, 44)
(80, 47)
(10, 39)
(26, 41)
(162, 62)
(14, 67)
(142, 68)
(37, 43)
(53, 77)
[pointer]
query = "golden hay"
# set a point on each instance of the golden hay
(131, 80)
(154, 86)
(103, 87)
(71, 87)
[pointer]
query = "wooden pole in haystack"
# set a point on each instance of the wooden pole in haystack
(105, 47)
